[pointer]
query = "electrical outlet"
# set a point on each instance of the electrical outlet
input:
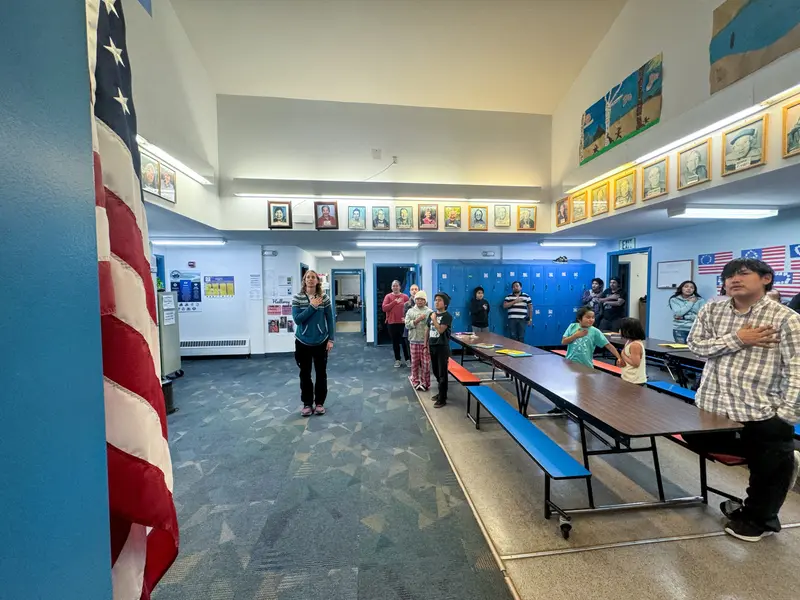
(376, 153)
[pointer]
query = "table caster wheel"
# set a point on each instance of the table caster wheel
(566, 527)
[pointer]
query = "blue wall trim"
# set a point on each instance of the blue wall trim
(54, 498)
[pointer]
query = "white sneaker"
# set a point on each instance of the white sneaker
(796, 471)
(408, 364)
(397, 364)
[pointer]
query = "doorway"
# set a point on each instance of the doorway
(347, 287)
(407, 275)
(632, 268)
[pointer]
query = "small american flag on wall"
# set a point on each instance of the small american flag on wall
(794, 257)
(788, 284)
(712, 264)
(774, 256)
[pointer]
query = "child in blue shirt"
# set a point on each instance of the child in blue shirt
(582, 337)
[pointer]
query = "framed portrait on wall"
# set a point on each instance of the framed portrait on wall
(380, 218)
(478, 218)
(655, 178)
(745, 146)
(562, 212)
(452, 217)
(598, 196)
(356, 217)
(502, 215)
(625, 190)
(526, 217)
(150, 175)
(326, 214)
(280, 215)
(694, 164)
(578, 208)
(167, 183)
(404, 217)
(428, 216)
(791, 129)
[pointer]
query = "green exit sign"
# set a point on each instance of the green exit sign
(628, 244)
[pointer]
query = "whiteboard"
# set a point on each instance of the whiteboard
(674, 272)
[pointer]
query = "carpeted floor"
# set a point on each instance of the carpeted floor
(359, 504)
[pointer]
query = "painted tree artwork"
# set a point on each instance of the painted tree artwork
(626, 110)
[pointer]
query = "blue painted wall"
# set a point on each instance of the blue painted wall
(689, 243)
(54, 498)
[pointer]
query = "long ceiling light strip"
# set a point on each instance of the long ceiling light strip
(721, 212)
(555, 244)
(173, 162)
(387, 244)
(188, 242)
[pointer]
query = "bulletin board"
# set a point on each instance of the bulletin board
(672, 273)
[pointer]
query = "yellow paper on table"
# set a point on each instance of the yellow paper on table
(675, 346)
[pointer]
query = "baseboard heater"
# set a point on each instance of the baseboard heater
(240, 347)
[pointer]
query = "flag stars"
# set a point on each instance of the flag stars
(110, 7)
(123, 102)
(115, 52)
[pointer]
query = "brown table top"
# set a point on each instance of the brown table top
(653, 347)
(631, 410)
(493, 338)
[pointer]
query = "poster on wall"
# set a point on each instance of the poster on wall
(187, 285)
(748, 35)
(256, 292)
(279, 316)
(628, 109)
(219, 286)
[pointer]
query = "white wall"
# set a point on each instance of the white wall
(637, 282)
(227, 318)
(689, 243)
(349, 284)
(176, 105)
(681, 29)
(326, 265)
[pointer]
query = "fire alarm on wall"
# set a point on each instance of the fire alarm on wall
(192, 264)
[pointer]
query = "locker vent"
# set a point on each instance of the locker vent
(215, 347)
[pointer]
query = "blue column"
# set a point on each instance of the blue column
(54, 496)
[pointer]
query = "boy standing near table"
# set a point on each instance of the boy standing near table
(439, 324)
(752, 376)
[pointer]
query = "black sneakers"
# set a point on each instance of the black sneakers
(561, 259)
(747, 530)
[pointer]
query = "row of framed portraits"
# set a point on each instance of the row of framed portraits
(428, 217)
(744, 147)
(158, 178)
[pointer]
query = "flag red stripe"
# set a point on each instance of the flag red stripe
(162, 550)
(120, 528)
(126, 243)
(127, 362)
(106, 282)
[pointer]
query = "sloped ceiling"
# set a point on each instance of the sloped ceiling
(496, 55)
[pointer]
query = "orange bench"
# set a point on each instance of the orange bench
(462, 375)
(597, 363)
(726, 459)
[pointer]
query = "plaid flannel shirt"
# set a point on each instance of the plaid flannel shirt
(746, 383)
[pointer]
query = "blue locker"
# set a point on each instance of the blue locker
(498, 279)
(536, 273)
(550, 291)
(563, 296)
(537, 335)
(566, 316)
(552, 332)
(524, 277)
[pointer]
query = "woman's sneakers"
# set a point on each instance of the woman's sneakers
(397, 364)
(306, 412)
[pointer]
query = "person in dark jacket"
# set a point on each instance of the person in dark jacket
(479, 311)
(794, 303)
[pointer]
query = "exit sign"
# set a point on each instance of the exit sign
(628, 244)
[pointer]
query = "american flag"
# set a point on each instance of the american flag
(712, 264)
(144, 527)
(794, 256)
(788, 284)
(774, 256)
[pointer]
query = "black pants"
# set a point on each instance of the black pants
(396, 331)
(768, 447)
(607, 324)
(440, 354)
(306, 356)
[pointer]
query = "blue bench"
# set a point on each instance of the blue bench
(797, 430)
(673, 389)
(556, 462)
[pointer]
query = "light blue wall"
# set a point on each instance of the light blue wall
(54, 498)
(689, 243)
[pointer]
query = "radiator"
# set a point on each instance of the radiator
(215, 347)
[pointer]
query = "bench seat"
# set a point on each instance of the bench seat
(599, 364)
(726, 459)
(673, 389)
(462, 375)
(554, 460)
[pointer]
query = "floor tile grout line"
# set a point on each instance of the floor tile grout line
(495, 554)
(611, 546)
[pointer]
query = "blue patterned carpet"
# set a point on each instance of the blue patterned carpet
(359, 504)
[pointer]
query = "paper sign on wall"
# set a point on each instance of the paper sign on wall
(219, 286)
(169, 317)
(187, 284)
(255, 287)
(167, 301)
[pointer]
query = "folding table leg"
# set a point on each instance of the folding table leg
(477, 414)
(703, 479)
(585, 451)
(657, 467)
(547, 510)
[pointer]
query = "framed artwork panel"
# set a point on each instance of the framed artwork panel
(280, 214)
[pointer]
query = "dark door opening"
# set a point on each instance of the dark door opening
(384, 276)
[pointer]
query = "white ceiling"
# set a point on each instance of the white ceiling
(497, 55)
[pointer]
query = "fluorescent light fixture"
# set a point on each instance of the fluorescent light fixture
(335, 255)
(387, 244)
(721, 212)
(189, 242)
(170, 160)
(568, 244)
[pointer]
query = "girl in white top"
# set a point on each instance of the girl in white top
(634, 367)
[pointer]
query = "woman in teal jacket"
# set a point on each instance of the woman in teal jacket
(314, 330)
(685, 305)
